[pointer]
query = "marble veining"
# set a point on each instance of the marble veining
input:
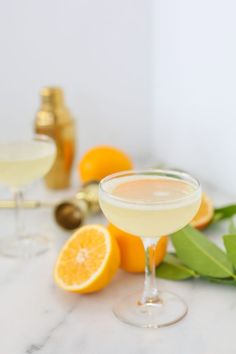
(36, 317)
(39, 346)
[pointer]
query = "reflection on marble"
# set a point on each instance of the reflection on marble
(37, 317)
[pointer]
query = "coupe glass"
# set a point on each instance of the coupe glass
(150, 204)
(22, 162)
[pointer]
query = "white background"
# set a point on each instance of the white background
(98, 51)
(195, 87)
(156, 78)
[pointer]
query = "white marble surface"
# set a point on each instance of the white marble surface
(39, 318)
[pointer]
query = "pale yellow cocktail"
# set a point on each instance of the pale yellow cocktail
(23, 162)
(150, 204)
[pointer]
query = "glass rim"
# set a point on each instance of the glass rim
(43, 137)
(28, 138)
(184, 176)
(33, 138)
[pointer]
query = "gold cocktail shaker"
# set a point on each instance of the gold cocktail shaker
(54, 119)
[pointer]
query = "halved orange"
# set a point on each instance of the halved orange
(204, 214)
(88, 260)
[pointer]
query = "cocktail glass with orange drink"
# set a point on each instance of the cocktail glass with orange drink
(150, 204)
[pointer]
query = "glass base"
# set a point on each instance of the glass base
(26, 246)
(167, 311)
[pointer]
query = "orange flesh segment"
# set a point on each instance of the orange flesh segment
(83, 256)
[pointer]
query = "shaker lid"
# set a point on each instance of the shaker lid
(52, 95)
(53, 110)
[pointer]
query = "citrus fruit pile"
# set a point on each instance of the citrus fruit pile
(91, 257)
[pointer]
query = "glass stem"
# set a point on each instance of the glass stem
(150, 293)
(18, 198)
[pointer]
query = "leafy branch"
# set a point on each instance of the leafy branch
(197, 256)
(224, 213)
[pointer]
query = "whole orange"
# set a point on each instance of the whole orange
(132, 251)
(101, 161)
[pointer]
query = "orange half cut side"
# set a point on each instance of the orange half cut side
(88, 260)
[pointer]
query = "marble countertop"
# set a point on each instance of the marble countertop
(39, 318)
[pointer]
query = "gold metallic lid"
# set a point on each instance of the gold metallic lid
(52, 110)
(52, 95)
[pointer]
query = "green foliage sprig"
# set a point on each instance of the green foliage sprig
(197, 256)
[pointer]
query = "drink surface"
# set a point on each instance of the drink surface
(152, 190)
(23, 162)
(149, 206)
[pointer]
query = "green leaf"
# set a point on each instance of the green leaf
(232, 227)
(200, 254)
(229, 281)
(230, 245)
(225, 212)
(171, 268)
